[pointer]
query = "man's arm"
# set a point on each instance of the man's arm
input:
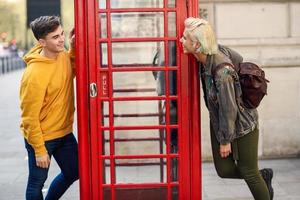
(32, 98)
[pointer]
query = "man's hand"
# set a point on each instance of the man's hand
(43, 161)
(225, 150)
(72, 38)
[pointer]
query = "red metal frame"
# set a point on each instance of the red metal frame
(82, 101)
(89, 128)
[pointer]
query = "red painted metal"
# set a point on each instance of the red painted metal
(89, 70)
(82, 101)
(195, 126)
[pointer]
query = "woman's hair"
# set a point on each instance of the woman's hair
(200, 31)
(44, 25)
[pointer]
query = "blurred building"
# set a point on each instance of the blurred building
(36, 8)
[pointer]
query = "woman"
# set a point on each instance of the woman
(233, 128)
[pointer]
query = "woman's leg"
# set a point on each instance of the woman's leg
(248, 165)
(225, 167)
(66, 156)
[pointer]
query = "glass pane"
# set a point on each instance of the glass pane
(105, 115)
(172, 53)
(140, 170)
(175, 193)
(171, 3)
(139, 142)
(133, 113)
(159, 58)
(174, 140)
(144, 83)
(138, 193)
(135, 54)
(105, 145)
(174, 169)
(173, 83)
(173, 112)
(142, 24)
(106, 172)
(103, 55)
(102, 4)
(172, 24)
(107, 193)
(136, 3)
(103, 25)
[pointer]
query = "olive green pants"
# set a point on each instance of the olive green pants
(242, 163)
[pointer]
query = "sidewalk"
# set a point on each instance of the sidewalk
(13, 163)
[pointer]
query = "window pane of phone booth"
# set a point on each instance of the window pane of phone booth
(137, 24)
(103, 55)
(159, 58)
(174, 141)
(102, 4)
(135, 54)
(173, 83)
(140, 142)
(106, 171)
(103, 25)
(171, 3)
(175, 193)
(105, 143)
(173, 112)
(171, 24)
(134, 113)
(105, 116)
(143, 83)
(174, 169)
(137, 3)
(134, 193)
(140, 170)
(172, 53)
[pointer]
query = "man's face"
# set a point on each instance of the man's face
(187, 43)
(54, 41)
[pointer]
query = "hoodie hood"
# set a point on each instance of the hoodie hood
(34, 56)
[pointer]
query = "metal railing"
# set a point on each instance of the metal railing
(10, 63)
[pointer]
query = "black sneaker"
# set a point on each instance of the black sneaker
(267, 175)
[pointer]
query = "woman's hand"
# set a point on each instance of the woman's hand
(225, 150)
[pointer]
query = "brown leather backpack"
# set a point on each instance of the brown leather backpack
(252, 80)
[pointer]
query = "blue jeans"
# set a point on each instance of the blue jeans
(65, 152)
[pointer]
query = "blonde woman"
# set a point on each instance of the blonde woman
(233, 128)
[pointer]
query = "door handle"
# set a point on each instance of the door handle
(93, 90)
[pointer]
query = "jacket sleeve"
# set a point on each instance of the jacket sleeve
(32, 97)
(227, 104)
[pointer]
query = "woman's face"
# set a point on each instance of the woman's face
(187, 44)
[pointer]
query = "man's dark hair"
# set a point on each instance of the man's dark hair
(44, 25)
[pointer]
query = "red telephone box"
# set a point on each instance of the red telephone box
(137, 101)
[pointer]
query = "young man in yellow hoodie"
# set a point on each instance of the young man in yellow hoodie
(47, 108)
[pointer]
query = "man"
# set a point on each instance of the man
(47, 109)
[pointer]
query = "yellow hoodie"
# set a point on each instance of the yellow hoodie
(47, 98)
